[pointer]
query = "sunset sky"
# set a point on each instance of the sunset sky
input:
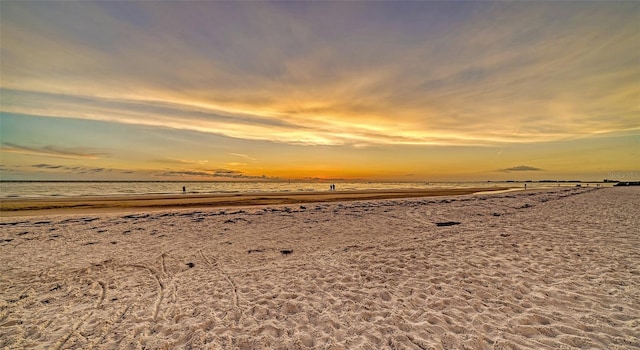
(401, 91)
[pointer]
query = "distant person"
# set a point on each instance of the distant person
(184, 189)
(525, 186)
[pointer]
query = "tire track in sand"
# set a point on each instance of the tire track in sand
(74, 329)
(420, 217)
(163, 264)
(116, 325)
(161, 289)
(214, 266)
(234, 288)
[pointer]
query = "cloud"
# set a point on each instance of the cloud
(68, 169)
(428, 73)
(7, 169)
(226, 172)
(51, 151)
(519, 168)
(213, 173)
(181, 161)
(242, 156)
(186, 173)
(315, 178)
(48, 166)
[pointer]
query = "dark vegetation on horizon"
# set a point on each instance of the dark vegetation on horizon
(628, 183)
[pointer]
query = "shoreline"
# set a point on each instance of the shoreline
(72, 205)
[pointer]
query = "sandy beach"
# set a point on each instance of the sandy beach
(540, 269)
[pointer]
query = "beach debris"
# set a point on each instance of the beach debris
(346, 249)
(235, 220)
(504, 235)
(13, 223)
(286, 251)
(447, 223)
(191, 265)
(255, 251)
(136, 216)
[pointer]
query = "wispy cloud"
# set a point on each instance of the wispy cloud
(7, 169)
(242, 156)
(51, 151)
(181, 161)
(235, 164)
(519, 168)
(211, 174)
(310, 73)
(75, 169)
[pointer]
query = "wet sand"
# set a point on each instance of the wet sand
(544, 269)
(22, 206)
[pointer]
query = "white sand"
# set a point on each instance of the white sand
(549, 269)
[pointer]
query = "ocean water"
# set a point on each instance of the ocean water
(40, 189)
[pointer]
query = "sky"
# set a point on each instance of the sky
(359, 90)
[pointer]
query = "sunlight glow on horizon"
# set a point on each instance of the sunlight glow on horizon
(345, 90)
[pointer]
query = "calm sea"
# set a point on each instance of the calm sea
(36, 189)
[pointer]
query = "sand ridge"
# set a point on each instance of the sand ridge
(548, 269)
